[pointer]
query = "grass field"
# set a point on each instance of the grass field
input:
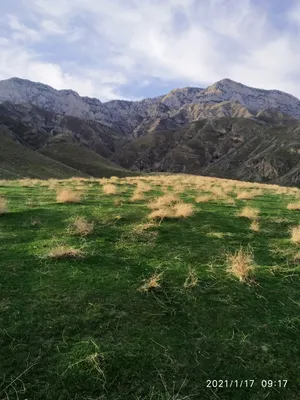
(148, 288)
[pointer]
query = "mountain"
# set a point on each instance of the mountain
(228, 130)
(37, 143)
(227, 147)
(126, 116)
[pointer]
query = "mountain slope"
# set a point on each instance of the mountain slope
(64, 149)
(226, 147)
(17, 161)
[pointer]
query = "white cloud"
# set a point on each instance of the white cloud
(104, 44)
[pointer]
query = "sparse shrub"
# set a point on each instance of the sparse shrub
(65, 252)
(109, 188)
(3, 205)
(68, 196)
(152, 283)
(249, 212)
(81, 226)
(294, 206)
(295, 234)
(241, 264)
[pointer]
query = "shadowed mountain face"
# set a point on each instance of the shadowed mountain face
(227, 130)
(225, 147)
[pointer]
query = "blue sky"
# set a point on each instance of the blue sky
(133, 49)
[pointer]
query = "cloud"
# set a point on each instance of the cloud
(100, 47)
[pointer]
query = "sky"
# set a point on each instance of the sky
(133, 49)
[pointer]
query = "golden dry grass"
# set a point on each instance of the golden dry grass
(3, 205)
(295, 234)
(163, 201)
(248, 195)
(137, 196)
(183, 210)
(152, 283)
(68, 196)
(294, 206)
(244, 195)
(249, 212)
(65, 252)
(81, 226)
(204, 198)
(241, 264)
(254, 226)
(143, 187)
(192, 279)
(144, 226)
(161, 213)
(109, 188)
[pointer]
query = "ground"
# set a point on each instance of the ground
(100, 301)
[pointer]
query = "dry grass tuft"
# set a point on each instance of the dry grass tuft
(254, 226)
(241, 264)
(183, 210)
(137, 196)
(118, 202)
(163, 201)
(143, 187)
(249, 212)
(293, 206)
(191, 280)
(161, 213)
(245, 195)
(65, 252)
(204, 198)
(295, 234)
(109, 188)
(3, 206)
(81, 226)
(152, 283)
(68, 196)
(297, 257)
(145, 226)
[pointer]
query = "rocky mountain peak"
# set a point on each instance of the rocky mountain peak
(126, 116)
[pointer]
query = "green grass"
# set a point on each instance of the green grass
(17, 161)
(82, 159)
(76, 329)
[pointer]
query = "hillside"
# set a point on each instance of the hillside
(65, 150)
(237, 148)
(17, 161)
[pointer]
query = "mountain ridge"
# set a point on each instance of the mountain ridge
(125, 116)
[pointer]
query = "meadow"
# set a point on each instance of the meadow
(149, 287)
